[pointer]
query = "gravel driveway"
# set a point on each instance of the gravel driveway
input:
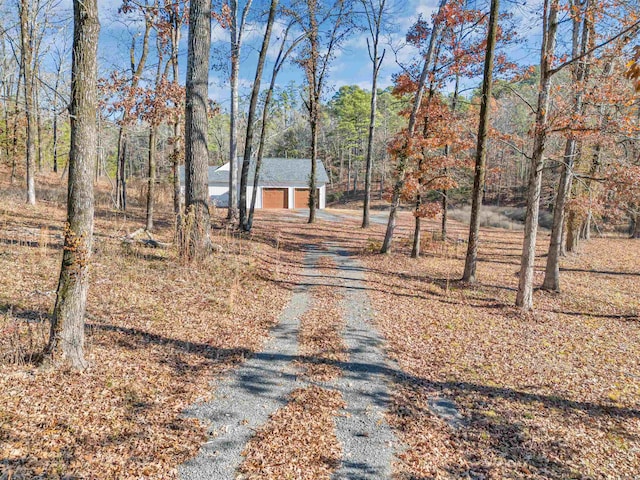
(243, 401)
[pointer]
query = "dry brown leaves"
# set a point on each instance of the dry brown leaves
(157, 332)
(298, 442)
(320, 337)
(549, 395)
(321, 344)
(555, 394)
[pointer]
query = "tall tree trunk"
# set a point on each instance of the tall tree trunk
(175, 155)
(573, 220)
(121, 174)
(236, 31)
(471, 261)
(123, 141)
(233, 137)
(16, 111)
(314, 87)
(6, 92)
(55, 142)
(349, 172)
(253, 103)
(5, 117)
(151, 185)
(552, 271)
(256, 174)
(277, 65)
(197, 242)
(445, 193)
(99, 148)
(55, 116)
(38, 114)
(66, 342)
(314, 160)
(401, 167)
(593, 170)
(369, 160)
(524, 297)
(26, 50)
(153, 141)
(603, 121)
(374, 19)
(175, 171)
(415, 250)
(355, 180)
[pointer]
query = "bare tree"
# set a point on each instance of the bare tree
(524, 298)
(283, 54)
(60, 53)
(177, 17)
(7, 80)
(578, 75)
(196, 229)
(14, 127)
(481, 150)
(154, 124)
(417, 231)
(253, 103)
(27, 15)
(447, 148)
(236, 31)
(136, 70)
(375, 12)
(324, 27)
(66, 342)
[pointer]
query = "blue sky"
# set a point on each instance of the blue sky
(350, 66)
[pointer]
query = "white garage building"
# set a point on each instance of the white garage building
(283, 183)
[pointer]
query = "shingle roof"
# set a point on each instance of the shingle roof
(274, 172)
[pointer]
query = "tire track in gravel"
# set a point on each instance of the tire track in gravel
(368, 443)
(244, 400)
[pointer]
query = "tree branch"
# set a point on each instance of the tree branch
(629, 29)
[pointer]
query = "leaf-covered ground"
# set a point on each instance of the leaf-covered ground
(321, 343)
(555, 394)
(157, 332)
(298, 441)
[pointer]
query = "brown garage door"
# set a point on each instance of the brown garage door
(302, 197)
(274, 198)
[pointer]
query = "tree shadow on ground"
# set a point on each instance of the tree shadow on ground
(600, 272)
(506, 437)
(134, 338)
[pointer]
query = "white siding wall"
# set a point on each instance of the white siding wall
(258, 198)
(291, 191)
(219, 196)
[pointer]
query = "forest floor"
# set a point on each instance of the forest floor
(470, 387)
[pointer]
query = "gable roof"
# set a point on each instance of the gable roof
(274, 171)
